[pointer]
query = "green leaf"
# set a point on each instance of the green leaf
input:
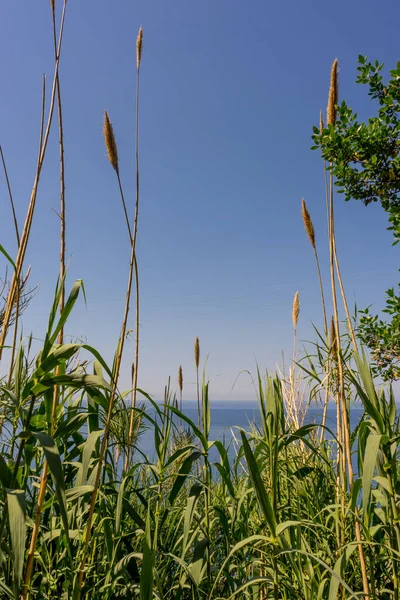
(338, 572)
(8, 257)
(118, 513)
(259, 488)
(370, 456)
(5, 473)
(55, 467)
(147, 575)
(17, 522)
(6, 590)
(88, 448)
(198, 564)
(182, 475)
(76, 492)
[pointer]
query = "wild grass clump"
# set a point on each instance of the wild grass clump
(289, 510)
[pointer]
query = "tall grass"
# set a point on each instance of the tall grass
(279, 513)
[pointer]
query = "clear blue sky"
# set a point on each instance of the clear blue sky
(229, 93)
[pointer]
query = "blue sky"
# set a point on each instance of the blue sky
(229, 93)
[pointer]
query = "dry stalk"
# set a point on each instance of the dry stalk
(32, 202)
(331, 120)
(43, 480)
(18, 283)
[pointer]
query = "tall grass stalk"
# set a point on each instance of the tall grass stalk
(344, 424)
(309, 227)
(112, 398)
(43, 480)
(29, 216)
(139, 48)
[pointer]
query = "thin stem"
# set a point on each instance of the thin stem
(321, 287)
(346, 307)
(121, 191)
(32, 202)
(135, 228)
(10, 195)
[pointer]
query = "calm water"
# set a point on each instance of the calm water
(226, 418)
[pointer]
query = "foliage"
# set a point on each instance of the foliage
(364, 157)
(383, 337)
(260, 522)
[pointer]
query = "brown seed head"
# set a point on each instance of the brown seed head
(53, 5)
(333, 95)
(296, 309)
(180, 378)
(111, 144)
(197, 352)
(139, 44)
(333, 336)
(308, 224)
(321, 122)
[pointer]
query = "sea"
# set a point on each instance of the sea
(227, 418)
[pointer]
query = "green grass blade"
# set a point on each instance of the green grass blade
(17, 522)
(369, 462)
(259, 488)
(55, 467)
(147, 575)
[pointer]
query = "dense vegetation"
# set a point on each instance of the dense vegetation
(290, 511)
(365, 160)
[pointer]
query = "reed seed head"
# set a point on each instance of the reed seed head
(197, 352)
(53, 5)
(308, 224)
(296, 309)
(139, 44)
(111, 144)
(180, 378)
(333, 335)
(333, 95)
(321, 122)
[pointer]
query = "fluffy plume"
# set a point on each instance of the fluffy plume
(180, 378)
(197, 352)
(296, 309)
(110, 142)
(139, 44)
(321, 122)
(308, 224)
(333, 95)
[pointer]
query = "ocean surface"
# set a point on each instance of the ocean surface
(228, 417)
